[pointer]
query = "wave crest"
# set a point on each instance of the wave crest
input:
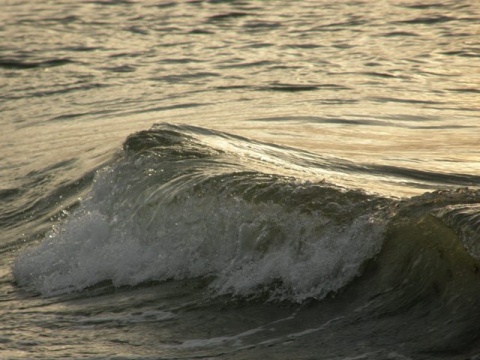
(175, 208)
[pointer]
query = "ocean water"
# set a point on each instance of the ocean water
(240, 179)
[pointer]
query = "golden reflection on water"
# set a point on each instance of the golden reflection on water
(388, 83)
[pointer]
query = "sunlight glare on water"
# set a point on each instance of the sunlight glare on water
(388, 83)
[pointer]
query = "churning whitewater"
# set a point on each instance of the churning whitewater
(178, 203)
(183, 203)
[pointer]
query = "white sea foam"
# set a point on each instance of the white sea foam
(129, 236)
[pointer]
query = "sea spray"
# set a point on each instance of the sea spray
(175, 208)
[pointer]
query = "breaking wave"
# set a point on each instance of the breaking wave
(182, 202)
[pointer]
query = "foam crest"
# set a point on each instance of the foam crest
(158, 216)
(247, 248)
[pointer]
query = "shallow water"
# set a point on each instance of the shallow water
(310, 188)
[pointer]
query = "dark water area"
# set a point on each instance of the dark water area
(239, 180)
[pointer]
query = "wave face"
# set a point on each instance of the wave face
(178, 205)
(182, 202)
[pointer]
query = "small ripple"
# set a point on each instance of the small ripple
(166, 5)
(319, 119)
(382, 99)
(381, 74)
(429, 20)
(442, 127)
(137, 30)
(228, 16)
(247, 64)
(456, 179)
(233, 87)
(289, 87)
(60, 20)
(110, 3)
(463, 53)
(20, 65)
(399, 33)
(69, 89)
(301, 87)
(68, 116)
(261, 25)
(302, 46)
(129, 54)
(336, 26)
(170, 107)
(183, 77)
(201, 32)
(179, 61)
(466, 90)
(424, 6)
(121, 69)
(82, 48)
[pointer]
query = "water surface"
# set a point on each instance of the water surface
(309, 188)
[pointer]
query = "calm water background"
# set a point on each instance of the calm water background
(381, 96)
